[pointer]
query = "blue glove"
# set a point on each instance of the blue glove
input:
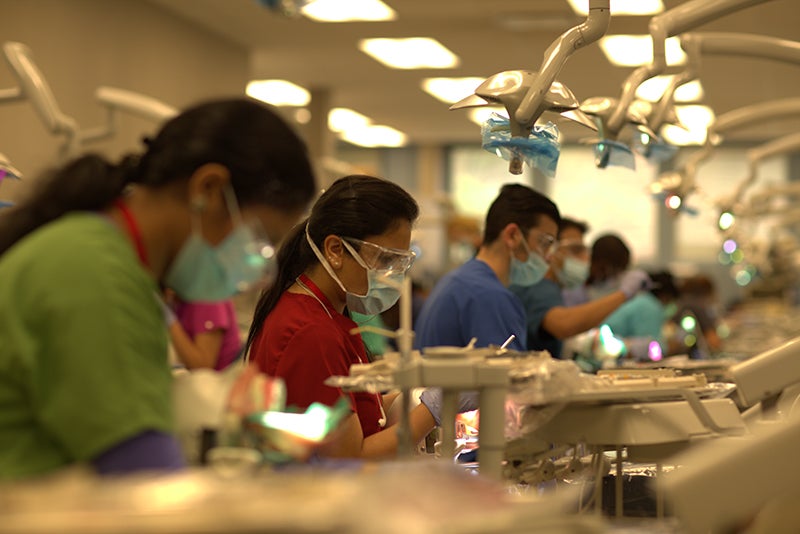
(631, 282)
(432, 399)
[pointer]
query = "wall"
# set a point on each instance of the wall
(131, 44)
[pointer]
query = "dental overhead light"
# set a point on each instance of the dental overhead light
(668, 24)
(673, 188)
(526, 95)
(681, 182)
(34, 88)
(609, 151)
(115, 99)
(732, 205)
(734, 44)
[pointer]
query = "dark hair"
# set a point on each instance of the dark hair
(698, 285)
(517, 204)
(664, 285)
(355, 206)
(267, 161)
(567, 223)
(610, 256)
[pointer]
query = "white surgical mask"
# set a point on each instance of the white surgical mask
(381, 291)
(204, 273)
(528, 272)
(573, 272)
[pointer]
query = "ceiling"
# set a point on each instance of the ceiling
(489, 37)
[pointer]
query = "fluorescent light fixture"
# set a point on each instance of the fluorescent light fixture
(451, 90)
(278, 92)
(409, 53)
(375, 136)
(347, 10)
(636, 50)
(653, 89)
(622, 7)
(343, 119)
(696, 119)
(482, 114)
(358, 129)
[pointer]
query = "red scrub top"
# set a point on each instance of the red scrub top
(300, 343)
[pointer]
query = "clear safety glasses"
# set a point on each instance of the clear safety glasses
(546, 244)
(573, 248)
(382, 258)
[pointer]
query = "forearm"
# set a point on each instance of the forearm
(384, 444)
(563, 322)
(192, 356)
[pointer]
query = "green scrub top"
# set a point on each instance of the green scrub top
(640, 317)
(83, 347)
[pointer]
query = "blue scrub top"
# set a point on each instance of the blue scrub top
(537, 300)
(471, 302)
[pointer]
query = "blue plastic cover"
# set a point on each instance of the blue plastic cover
(654, 149)
(540, 149)
(610, 153)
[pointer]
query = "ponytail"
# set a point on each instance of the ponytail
(294, 257)
(88, 183)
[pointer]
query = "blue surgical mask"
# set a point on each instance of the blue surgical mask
(573, 272)
(529, 272)
(381, 291)
(205, 273)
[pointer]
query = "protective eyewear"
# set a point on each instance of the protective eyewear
(573, 248)
(382, 258)
(546, 244)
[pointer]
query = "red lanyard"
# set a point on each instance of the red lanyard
(133, 230)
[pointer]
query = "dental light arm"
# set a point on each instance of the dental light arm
(114, 99)
(7, 169)
(774, 109)
(33, 87)
(677, 20)
(722, 43)
(594, 27)
(782, 145)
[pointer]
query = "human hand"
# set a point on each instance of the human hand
(169, 316)
(633, 281)
(432, 399)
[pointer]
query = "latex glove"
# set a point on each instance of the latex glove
(169, 315)
(432, 399)
(633, 281)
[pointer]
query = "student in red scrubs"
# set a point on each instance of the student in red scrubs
(337, 261)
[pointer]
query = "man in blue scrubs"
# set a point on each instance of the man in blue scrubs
(549, 320)
(474, 300)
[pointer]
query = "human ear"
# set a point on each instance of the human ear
(333, 251)
(206, 188)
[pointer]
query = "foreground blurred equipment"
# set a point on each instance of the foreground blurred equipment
(345, 500)
(526, 94)
(752, 476)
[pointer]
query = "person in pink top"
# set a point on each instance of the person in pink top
(205, 334)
